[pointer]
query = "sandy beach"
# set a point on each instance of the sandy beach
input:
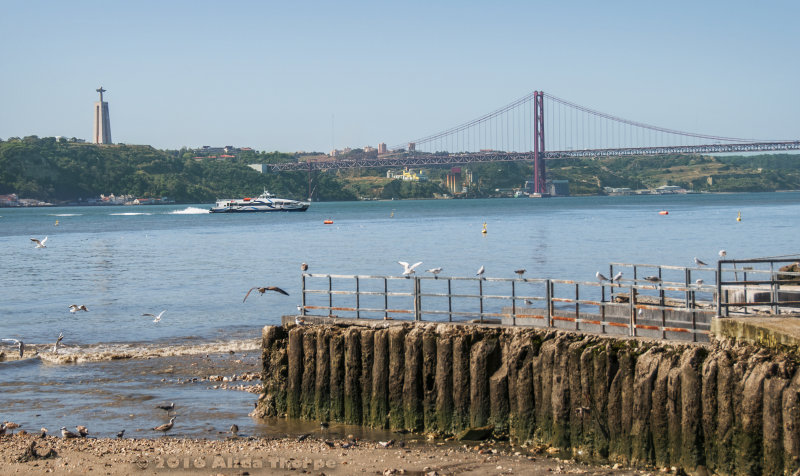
(255, 456)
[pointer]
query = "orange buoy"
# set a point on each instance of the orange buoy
(328, 222)
(663, 212)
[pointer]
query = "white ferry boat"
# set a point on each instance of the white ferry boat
(265, 202)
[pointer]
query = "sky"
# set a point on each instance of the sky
(313, 75)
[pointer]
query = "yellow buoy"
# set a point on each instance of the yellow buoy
(484, 228)
(739, 217)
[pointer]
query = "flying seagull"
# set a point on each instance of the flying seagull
(480, 272)
(698, 262)
(166, 426)
(263, 290)
(19, 344)
(408, 270)
(57, 345)
(617, 277)
(73, 308)
(600, 277)
(156, 318)
(39, 244)
(519, 272)
(435, 271)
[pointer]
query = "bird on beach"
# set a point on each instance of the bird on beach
(235, 429)
(408, 270)
(43, 433)
(10, 425)
(68, 434)
(299, 321)
(73, 308)
(166, 426)
(303, 267)
(82, 430)
(167, 408)
(600, 277)
(435, 272)
(386, 444)
(157, 318)
(652, 279)
(262, 290)
(698, 262)
(57, 345)
(723, 253)
(19, 344)
(2, 429)
(303, 437)
(39, 243)
(519, 272)
(617, 277)
(121, 433)
(480, 272)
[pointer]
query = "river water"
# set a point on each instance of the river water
(121, 262)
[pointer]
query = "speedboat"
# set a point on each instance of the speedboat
(266, 202)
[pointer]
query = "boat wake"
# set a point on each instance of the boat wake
(125, 351)
(190, 211)
(129, 214)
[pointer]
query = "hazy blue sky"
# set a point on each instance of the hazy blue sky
(300, 75)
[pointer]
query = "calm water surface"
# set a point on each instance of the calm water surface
(124, 261)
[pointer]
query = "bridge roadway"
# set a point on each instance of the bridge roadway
(417, 159)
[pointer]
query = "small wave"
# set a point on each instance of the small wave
(129, 214)
(190, 211)
(65, 214)
(108, 352)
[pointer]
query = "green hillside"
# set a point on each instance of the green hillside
(65, 171)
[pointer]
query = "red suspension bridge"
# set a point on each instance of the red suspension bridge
(516, 132)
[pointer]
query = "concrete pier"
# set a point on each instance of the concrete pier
(728, 407)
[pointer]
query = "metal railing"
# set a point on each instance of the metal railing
(634, 307)
(757, 285)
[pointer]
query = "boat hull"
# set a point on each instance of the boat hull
(256, 209)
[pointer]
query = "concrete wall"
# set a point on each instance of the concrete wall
(731, 409)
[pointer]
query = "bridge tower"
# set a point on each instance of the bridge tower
(539, 175)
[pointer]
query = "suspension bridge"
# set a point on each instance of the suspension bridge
(516, 132)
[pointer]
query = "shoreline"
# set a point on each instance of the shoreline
(255, 456)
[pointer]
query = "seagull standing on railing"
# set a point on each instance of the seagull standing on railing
(617, 277)
(435, 271)
(723, 253)
(698, 282)
(408, 270)
(600, 277)
(519, 272)
(480, 272)
(698, 262)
